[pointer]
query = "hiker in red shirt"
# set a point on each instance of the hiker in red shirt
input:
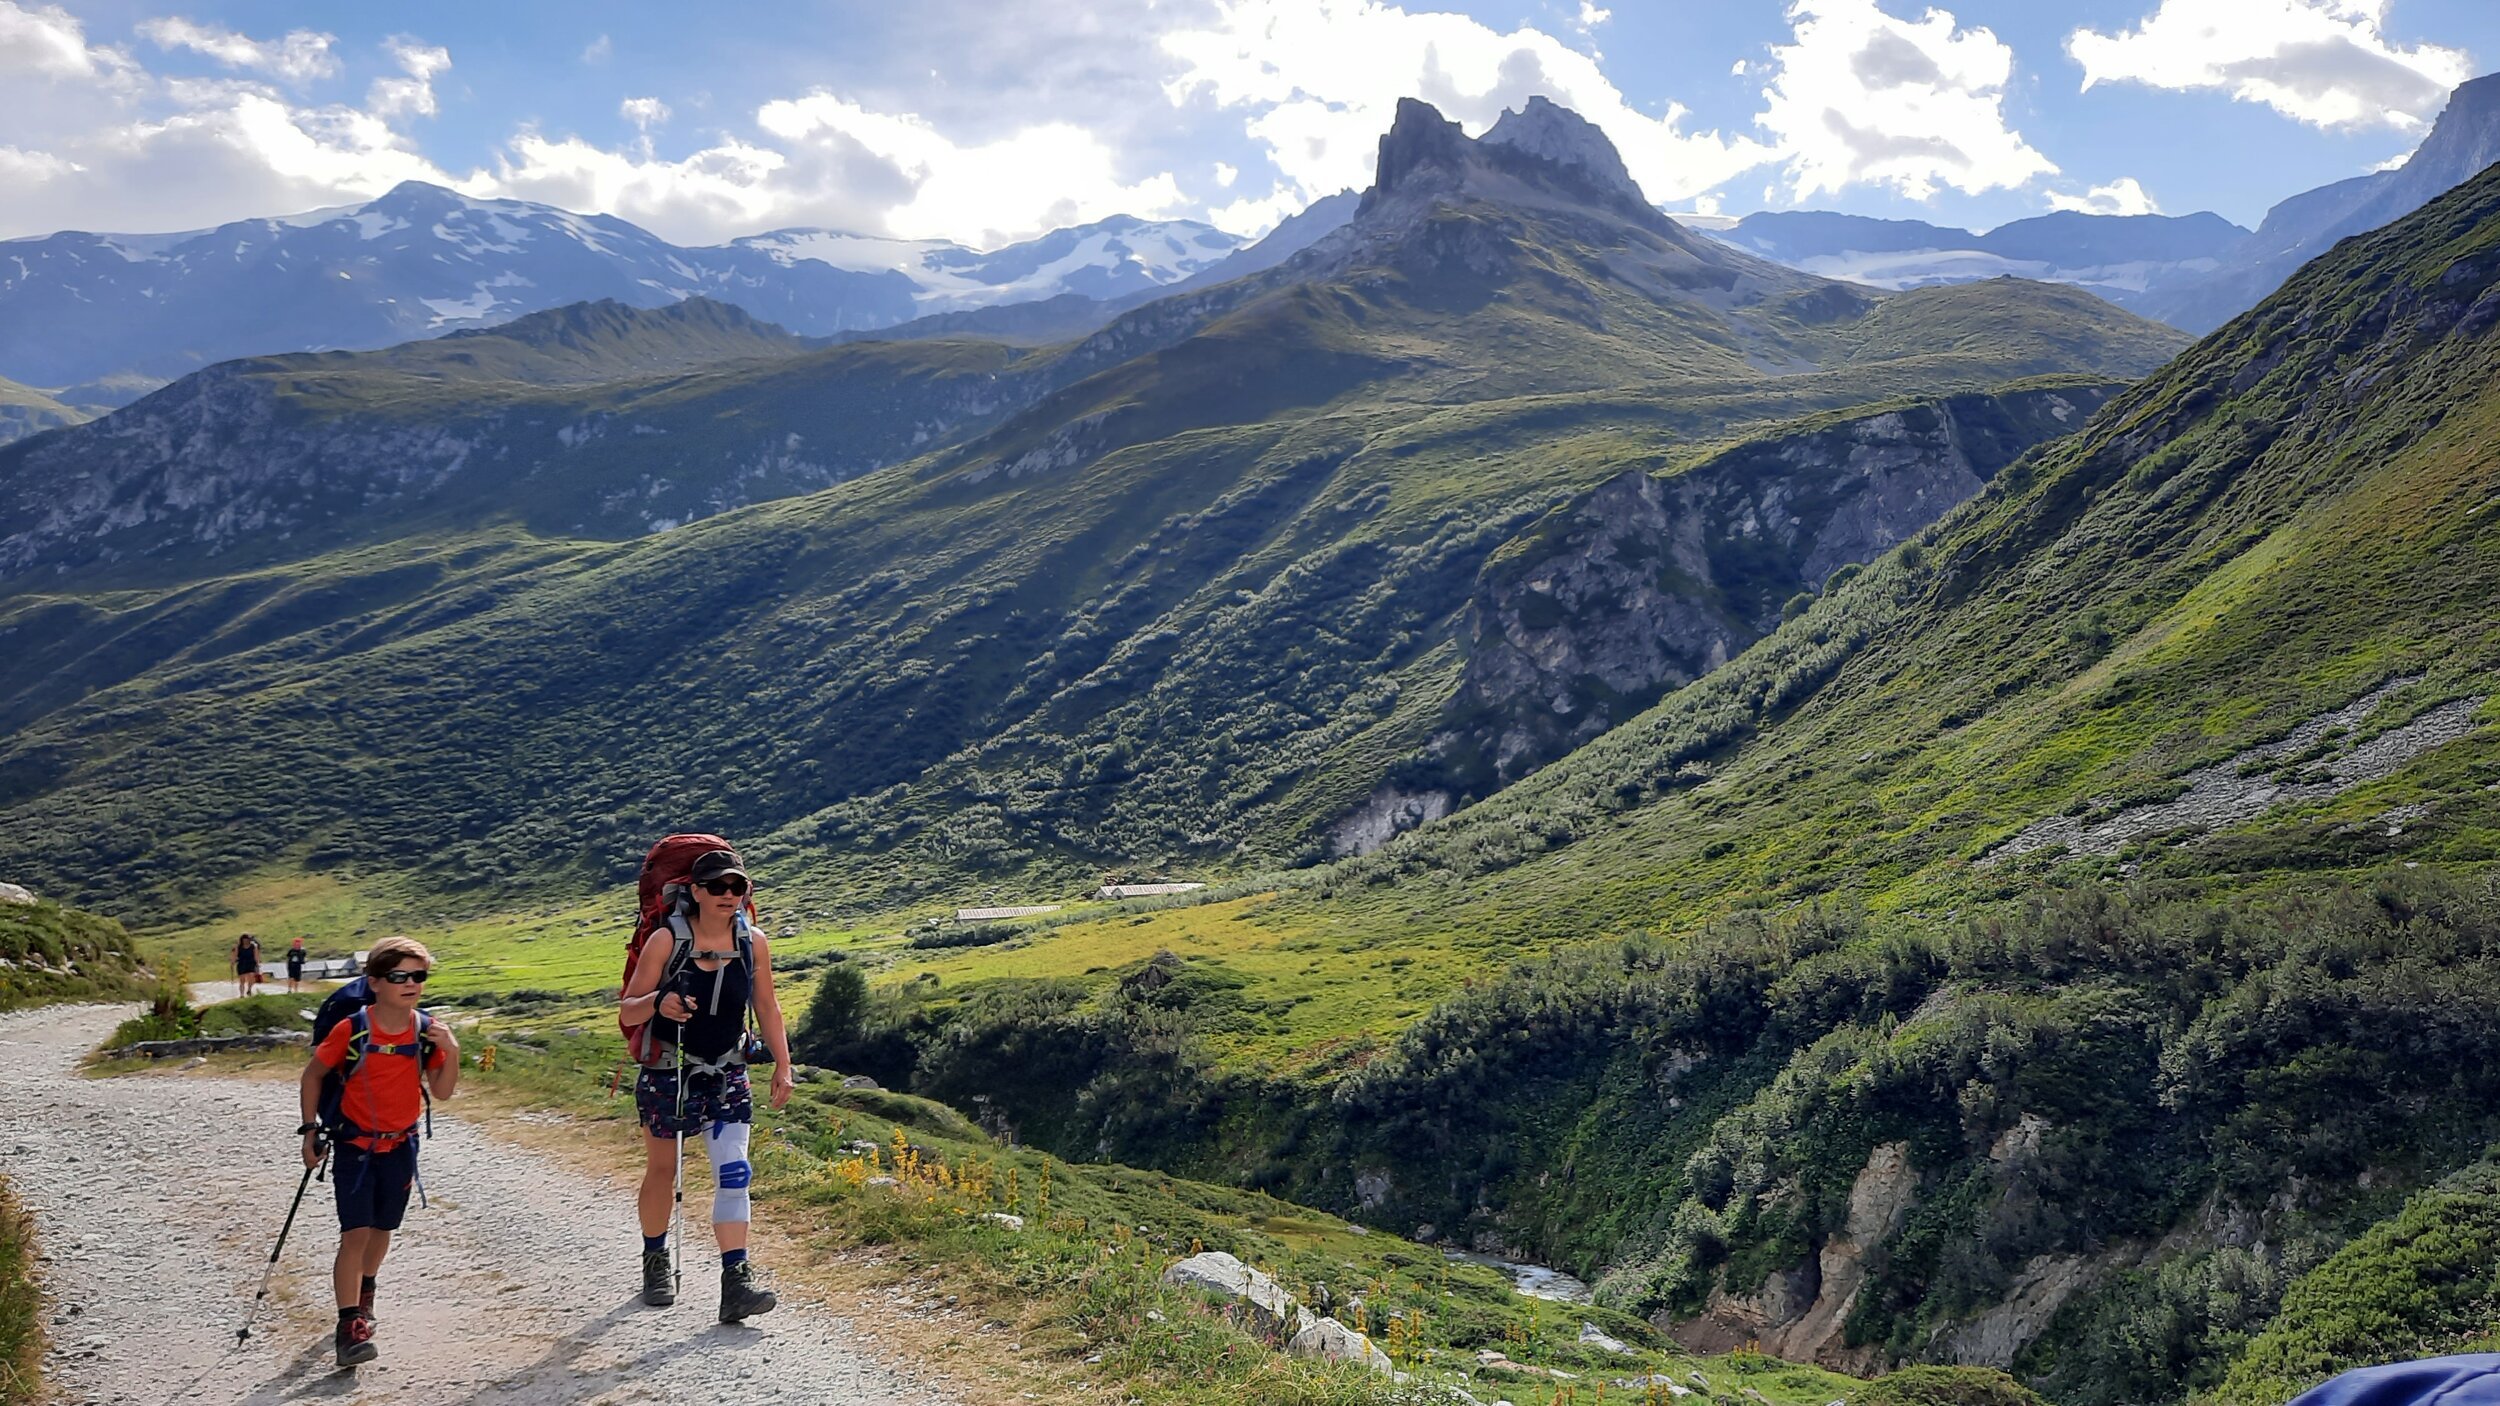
(370, 1115)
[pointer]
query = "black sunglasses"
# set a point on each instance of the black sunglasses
(405, 978)
(733, 886)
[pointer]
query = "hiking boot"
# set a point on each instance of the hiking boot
(739, 1298)
(659, 1287)
(355, 1340)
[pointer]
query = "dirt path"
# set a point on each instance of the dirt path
(157, 1198)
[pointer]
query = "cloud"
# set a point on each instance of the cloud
(598, 51)
(645, 113)
(47, 42)
(300, 56)
(1863, 98)
(2323, 62)
(2123, 196)
(1320, 81)
(412, 94)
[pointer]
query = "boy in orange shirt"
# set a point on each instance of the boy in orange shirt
(372, 1126)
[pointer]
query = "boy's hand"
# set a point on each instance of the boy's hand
(439, 1034)
(312, 1149)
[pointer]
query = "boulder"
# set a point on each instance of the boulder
(1594, 1336)
(1250, 1298)
(859, 1081)
(1332, 1341)
(15, 893)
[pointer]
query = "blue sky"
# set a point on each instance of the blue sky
(983, 121)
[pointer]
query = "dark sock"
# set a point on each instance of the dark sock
(731, 1259)
(365, 1298)
(348, 1312)
(653, 1244)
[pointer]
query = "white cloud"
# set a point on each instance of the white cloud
(1032, 179)
(300, 56)
(598, 51)
(1863, 98)
(1226, 173)
(2324, 62)
(1591, 16)
(2123, 196)
(1254, 215)
(414, 93)
(48, 42)
(1321, 79)
(645, 113)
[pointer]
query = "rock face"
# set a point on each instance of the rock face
(1250, 1298)
(1648, 582)
(1800, 1312)
(1332, 1341)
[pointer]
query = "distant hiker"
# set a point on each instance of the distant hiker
(364, 1105)
(246, 964)
(698, 965)
(295, 966)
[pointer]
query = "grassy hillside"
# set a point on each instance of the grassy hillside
(49, 952)
(25, 410)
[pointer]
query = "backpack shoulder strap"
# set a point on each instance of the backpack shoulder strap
(359, 1034)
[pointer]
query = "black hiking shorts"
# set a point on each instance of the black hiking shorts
(373, 1187)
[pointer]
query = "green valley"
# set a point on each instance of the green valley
(1947, 827)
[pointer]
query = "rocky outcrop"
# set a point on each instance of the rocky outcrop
(1800, 1312)
(1649, 582)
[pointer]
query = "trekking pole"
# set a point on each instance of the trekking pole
(677, 1180)
(319, 1163)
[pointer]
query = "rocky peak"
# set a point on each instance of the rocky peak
(1419, 145)
(1547, 129)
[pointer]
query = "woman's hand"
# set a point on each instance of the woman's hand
(782, 1085)
(673, 1006)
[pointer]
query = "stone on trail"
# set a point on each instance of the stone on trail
(1332, 1341)
(1252, 1299)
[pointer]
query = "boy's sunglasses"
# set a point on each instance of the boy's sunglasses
(732, 886)
(405, 978)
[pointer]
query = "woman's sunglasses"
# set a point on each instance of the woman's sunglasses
(405, 978)
(731, 887)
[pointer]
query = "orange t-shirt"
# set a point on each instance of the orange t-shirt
(382, 1094)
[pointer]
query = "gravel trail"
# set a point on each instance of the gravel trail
(156, 1199)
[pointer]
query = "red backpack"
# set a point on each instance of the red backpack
(666, 900)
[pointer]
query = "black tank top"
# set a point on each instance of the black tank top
(720, 1010)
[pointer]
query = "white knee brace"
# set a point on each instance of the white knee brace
(727, 1145)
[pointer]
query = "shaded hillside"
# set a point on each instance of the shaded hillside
(1192, 598)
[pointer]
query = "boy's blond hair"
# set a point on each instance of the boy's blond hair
(390, 952)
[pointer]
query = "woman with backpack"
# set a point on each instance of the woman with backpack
(703, 965)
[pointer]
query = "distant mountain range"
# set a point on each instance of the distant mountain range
(114, 315)
(2118, 257)
(2194, 272)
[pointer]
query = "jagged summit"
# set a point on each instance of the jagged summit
(1542, 154)
(1547, 129)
